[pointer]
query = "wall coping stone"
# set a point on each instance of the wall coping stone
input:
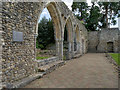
(48, 59)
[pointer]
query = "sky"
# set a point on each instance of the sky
(45, 12)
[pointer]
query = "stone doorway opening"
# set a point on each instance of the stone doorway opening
(49, 34)
(67, 43)
(45, 41)
(110, 47)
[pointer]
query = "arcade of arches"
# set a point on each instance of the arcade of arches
(20, 20)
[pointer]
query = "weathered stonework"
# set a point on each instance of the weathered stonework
(46, 61)
(98, 40)
(1, 43)
(93, 41)
(18, 58)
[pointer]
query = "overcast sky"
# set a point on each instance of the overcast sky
(69, 4)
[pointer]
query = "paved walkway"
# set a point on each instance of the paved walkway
(89, 71)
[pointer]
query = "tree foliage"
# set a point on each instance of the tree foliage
(45, 33)
(99, 15)
(110, 11)
(92, 22)
(81, 9)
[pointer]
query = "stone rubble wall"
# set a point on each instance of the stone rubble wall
(18, 58)
(1, 42)
(46, 61)
(98, 40)
(46, 52)
(93, 41)
(108, 36)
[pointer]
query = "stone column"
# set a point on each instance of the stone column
(61, 49)
(81, 48)
(69, 46)
(57, 47)
(69, 50)
(72, 49)
(78, 47)
(35, 36)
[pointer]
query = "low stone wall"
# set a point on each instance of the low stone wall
(46, 52)
(46, 61)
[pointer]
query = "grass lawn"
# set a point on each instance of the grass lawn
(116, 57)
(39, 58)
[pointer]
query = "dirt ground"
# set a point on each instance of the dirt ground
(92, 70)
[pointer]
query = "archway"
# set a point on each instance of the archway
(110, 47)
(54, 13)
(67, 43)
(77, 40)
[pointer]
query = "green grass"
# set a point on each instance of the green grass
(116, 57)
(39, 58)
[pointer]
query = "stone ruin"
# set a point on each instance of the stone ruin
(18, 33)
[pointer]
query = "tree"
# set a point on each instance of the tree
(45, 33)
(101, 14)
(110, 11)
(92, 22)
(81, 9)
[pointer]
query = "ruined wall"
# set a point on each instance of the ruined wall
(98, 40)
(1, 43)
(110, 35)
(18, 58)
(93, 39)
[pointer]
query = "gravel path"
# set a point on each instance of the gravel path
(89, 71)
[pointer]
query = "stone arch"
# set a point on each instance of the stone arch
(83, 45)
(55, 15)
(77, 39)
(53, 9)
(69, 26)
(23, 17)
